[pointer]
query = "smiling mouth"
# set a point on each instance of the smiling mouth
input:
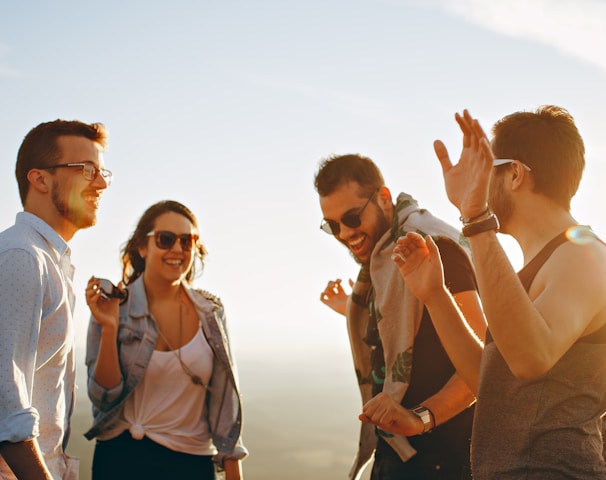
(93, 200)
(174, 263)
(356, 244)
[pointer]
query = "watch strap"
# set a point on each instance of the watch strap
(489, 223)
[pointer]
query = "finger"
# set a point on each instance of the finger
(363, 418)
(442, 154)
(486, 149)
(351, 283)
(432, 247)
(399, 259)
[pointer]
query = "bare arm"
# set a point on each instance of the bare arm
(458, 319)
(454, 397)
(233, 470)
(566, 302)
(25, 460)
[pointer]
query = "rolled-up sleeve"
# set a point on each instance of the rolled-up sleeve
(21, 293)
(102, 398)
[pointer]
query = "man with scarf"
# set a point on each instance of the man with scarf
(396, 351)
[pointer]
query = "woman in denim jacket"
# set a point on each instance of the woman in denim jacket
(161, 376)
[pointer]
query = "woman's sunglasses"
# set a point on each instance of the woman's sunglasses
(165, 239)
(351, 220)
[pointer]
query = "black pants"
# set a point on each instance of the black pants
(422, 466)
(124, 458)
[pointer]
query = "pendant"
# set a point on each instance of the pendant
(197, 380)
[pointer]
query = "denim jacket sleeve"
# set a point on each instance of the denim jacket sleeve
(224, 402)
(101, 398)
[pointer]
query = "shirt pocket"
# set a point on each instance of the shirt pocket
(129, 345)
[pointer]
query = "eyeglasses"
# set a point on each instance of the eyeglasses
(351, 220)
(89, 171)
(497, 162)
(165, 239)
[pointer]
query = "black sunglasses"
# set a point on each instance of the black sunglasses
(351, 220)
(165, 239)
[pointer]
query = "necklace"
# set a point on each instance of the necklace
(196, 380)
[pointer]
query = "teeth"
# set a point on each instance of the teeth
(357, 243)
(174, 262)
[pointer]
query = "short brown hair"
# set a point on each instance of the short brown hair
(337, 170)
(548, 141)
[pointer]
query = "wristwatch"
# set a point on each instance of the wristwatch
(426, 417)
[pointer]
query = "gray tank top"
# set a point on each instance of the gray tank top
(547, 428)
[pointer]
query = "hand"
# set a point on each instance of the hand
(467, 182)
(383, 411)
(420, 265)
(105, 311)
(335, 297)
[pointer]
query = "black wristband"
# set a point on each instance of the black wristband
(490, 223)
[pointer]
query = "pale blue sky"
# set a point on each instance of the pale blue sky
(228, 106)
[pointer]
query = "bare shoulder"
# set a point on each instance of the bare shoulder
(574, 279)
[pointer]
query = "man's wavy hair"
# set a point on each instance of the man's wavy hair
(338, 170)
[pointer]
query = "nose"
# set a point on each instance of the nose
(177, 245)
(101, 182)
(345, 232)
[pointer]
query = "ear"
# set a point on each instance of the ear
(142, 251)
(519, 175)
(384, 198)
(38, 180)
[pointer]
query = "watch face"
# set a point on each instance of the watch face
(425, 415)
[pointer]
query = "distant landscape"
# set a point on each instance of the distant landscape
(300, 417)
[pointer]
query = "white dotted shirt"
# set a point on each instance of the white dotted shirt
(37, 367)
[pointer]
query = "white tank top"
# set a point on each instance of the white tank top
(166, 406)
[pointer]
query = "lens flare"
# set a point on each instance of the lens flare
(580, 234)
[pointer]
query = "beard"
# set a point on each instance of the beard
(500, 202)
(381, 225)
(79, 218)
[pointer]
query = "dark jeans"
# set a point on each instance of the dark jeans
(124, 458)
(423, 466)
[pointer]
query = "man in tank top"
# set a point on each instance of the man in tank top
(540, 378)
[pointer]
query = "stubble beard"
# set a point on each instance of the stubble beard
(77, 218)
(383, 224)
(501, 205)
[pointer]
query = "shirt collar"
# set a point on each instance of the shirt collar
(45, 230)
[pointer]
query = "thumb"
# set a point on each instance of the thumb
(432, 248)
(442, 154)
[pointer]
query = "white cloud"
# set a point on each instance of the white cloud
(575, 27)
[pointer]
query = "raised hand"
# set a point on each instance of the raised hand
(105, 311)
(335, 296)
(467, 182)
(418, 260)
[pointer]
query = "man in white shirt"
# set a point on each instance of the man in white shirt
(61, 180)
